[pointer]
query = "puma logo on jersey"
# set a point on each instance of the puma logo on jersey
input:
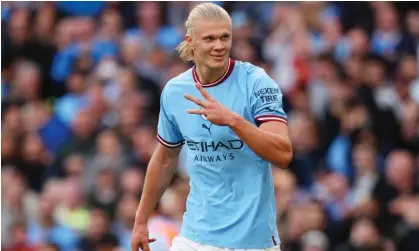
(207, 127)
(204, 125)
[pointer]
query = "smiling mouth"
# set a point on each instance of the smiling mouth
(218, 57)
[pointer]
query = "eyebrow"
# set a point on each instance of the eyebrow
(212, 35)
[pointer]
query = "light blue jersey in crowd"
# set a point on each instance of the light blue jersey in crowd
(231, 201)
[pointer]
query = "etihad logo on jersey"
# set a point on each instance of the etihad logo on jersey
(268, 95)
(213, 146)
(216, 158)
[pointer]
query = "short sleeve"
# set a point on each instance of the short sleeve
(168, 132)
(266, 101)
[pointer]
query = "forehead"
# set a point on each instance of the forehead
(400, 162)
(206, 27)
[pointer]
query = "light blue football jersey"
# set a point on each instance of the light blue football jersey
(231, 202)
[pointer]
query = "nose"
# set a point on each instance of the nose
(218, 45)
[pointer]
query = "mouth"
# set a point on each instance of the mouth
(218, 57)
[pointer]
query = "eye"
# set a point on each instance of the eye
(208, 39)
(225, 37)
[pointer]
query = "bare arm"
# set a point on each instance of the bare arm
(270, 141)
(160, 172)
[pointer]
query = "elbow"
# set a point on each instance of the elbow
(284, 159)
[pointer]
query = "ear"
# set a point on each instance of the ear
(188, 39)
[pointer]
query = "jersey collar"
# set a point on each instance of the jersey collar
(228, 72)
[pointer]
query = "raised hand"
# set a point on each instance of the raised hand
(215, 112)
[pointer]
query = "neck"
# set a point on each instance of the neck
(207, 75)
(366, 172)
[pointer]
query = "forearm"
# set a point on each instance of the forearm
(159, 174)
(272, 147)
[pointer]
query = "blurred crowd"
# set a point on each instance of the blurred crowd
(80, 89)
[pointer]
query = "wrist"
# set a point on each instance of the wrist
(140, 219)
(234, 120)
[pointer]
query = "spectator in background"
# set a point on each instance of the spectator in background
(387, 35)
(143, 143)
(354, 44)
(130, 115)
(244, 50)
(132, 54)
(72, 212)
(315, 241)
(18, 238)
(62, 63)
(26, 83)
(103, 193)
(304, 138)
(48, 247)
(45, 20)
(34, 117)
(285, 45)
(122, 85)
(388, 40)
(34, 161)
(131, 50)
(44, 228)
(74, 165)
(409, 122)
(131, 181)
(354, 117)
(124, 220)
(106, 243)
(393, 187)
(44, 27)
(365, 162)
(337, 203)
(75, 100)
(365, 236)
(109, 154)
(409, 239)
(98, 229)
(83, 135)
(23, 46)
(286, 193)
(9, 146)
(111, 25)
(412, 23)
(150, 29)
(18, 205)
(85, 44)
(18, 28)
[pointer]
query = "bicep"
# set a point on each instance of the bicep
(276, 127)
(167, 155)
(280, 140)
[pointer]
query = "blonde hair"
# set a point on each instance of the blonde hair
(207, 11)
